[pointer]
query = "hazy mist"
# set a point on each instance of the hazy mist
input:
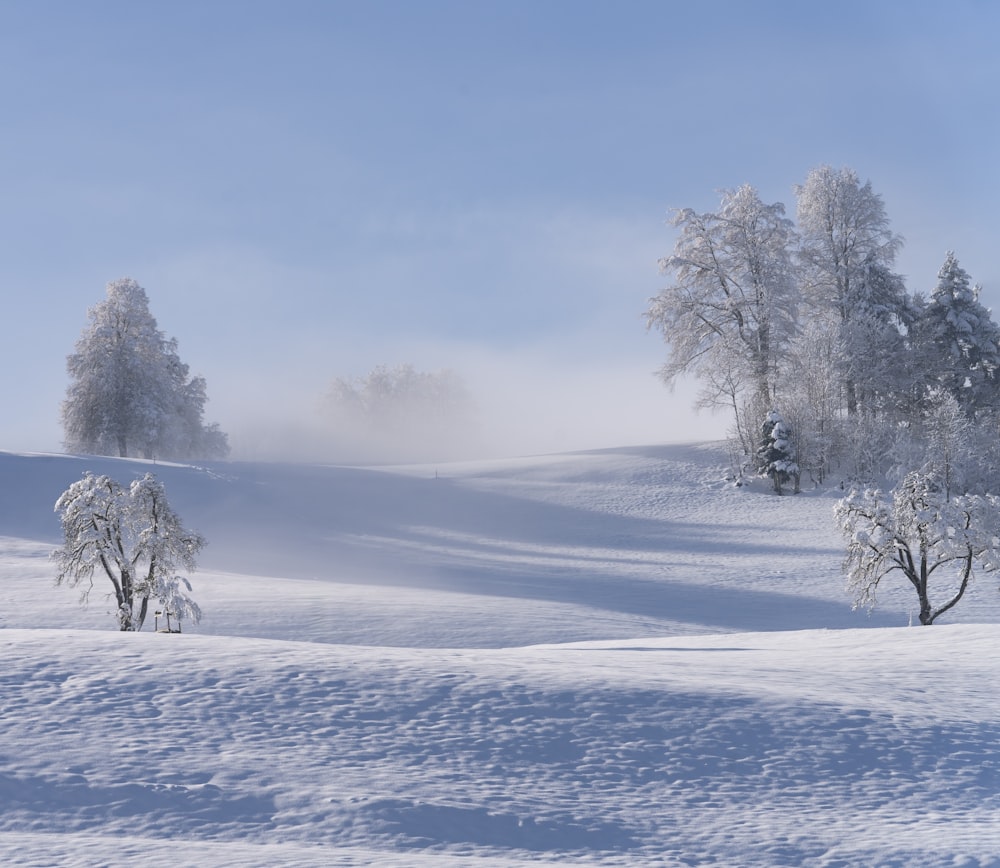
(524, 404)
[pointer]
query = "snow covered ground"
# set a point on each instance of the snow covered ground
(606, 658)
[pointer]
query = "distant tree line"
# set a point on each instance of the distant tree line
(400, 413)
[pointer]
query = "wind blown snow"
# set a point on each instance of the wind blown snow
(606, 658)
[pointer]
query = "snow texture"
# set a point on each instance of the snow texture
(604, 658)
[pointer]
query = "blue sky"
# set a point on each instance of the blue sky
(308, 189)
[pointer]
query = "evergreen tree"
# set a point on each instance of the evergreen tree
(776, 455)
(957, 343)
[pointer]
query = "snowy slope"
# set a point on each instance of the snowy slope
(561, 548)
(599, 658)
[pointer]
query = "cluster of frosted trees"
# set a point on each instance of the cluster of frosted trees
(809, 318)
(874, 383)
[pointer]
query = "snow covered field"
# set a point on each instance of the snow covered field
(598, 658)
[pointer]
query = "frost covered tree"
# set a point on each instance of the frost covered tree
(846, 252)
(957, 342)
(129, 392)
(134, 538)
(776, 455)
(918, 532)
(730, 309)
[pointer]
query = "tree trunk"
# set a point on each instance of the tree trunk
(142, 614)
(920, 583)
(125, 602)
(926, 616)
(967, 574)
(852, 397)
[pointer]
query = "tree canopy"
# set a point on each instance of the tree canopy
(812, 318)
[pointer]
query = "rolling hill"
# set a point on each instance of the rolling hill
(607, 658)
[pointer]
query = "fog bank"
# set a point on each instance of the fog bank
(523, 405)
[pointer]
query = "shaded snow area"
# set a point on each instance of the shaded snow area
(605, 658)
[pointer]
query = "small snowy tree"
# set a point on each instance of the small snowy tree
(130, 393)
(920, 533)
(776, 455)
(136, 540)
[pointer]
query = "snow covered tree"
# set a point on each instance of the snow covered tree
(847, 251)
(130, 393)
(957, 341)
(776, 455)
(920, 533)
(136, 540)
(729, 312)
